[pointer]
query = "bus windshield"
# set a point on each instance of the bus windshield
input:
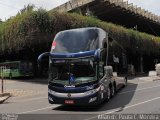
(73, 71)
(73, 41)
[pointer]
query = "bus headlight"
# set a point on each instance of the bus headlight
(92, 99)
(51, 92)
(90, 92)
(93, 91)
(49, 98)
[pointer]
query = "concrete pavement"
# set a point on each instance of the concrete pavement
(4, 96)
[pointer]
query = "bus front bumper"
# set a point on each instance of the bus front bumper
(75, 98)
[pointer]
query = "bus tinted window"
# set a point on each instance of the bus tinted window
(76, 41)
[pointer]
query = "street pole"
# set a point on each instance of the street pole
(141, 63)
(2, 67)
(2, 88)
(2, 85)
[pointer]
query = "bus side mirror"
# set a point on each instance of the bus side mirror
(108, 71)
(41, 56)
(41, 63)
(97, 55)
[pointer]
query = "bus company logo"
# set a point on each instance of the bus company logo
(69, 86)
(69, 95)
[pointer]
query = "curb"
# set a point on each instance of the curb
(4, 96)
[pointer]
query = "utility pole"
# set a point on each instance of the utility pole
(141, 63)
(2, 75)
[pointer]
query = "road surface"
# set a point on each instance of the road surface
(29, 101)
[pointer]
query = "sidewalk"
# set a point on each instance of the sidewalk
(4, 97)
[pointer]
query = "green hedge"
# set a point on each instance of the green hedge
(35, 30)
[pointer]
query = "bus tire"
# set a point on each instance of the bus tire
(108, 94)
(125, 82)
(113, 90)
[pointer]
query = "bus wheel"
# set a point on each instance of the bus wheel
(113, 90)
(108, 93)
(10, 76)
(125, 82)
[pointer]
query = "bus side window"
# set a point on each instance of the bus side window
(103, 56)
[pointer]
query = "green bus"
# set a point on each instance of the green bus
(12, 69)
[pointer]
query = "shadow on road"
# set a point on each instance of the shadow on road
(120, 100)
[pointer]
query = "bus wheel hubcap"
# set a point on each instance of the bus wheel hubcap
(113, 90)
(109, 93)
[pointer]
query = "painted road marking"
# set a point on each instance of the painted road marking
(38, 109)
(127, 107)
(138, 89)
(102, 113)
(108, 112)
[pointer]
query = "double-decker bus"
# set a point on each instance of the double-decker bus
(13, 69)
(85, 67)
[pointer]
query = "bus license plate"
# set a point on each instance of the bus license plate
(69, 101)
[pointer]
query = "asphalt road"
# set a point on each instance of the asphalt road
(142, 95)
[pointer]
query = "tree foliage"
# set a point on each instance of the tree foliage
(35, 29)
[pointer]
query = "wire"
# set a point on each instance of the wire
(152, 29)
(8, 5)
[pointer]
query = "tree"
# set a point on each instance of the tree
(1, 21)
(29, 7)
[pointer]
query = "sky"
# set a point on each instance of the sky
(10, 8)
